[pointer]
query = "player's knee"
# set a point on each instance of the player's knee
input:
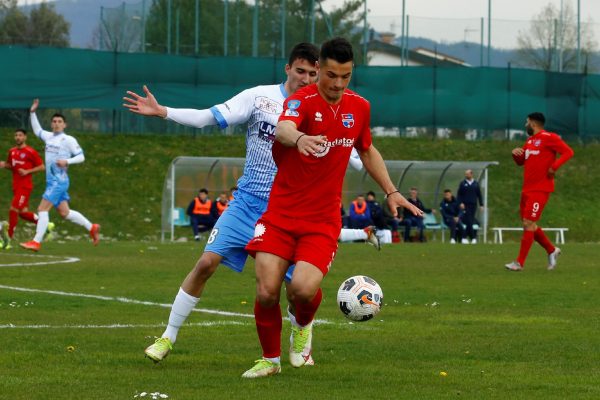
(302, 294)
(266, 296)
(205, 267)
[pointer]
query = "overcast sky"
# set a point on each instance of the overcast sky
(457, 20)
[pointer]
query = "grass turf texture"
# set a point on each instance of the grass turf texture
(497, 334)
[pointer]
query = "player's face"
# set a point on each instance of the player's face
(528, 127)
(301, 73)
(469, 174)
(20, 138)
(334, 79)
(58, 124)
(448, 195)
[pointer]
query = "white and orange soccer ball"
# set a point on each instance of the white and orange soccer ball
(359, 298)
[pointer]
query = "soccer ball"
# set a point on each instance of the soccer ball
(359, 298)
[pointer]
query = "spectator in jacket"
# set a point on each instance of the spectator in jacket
(409, 220)
(468, 195)
(450, 210)
(376, 211)
(360, 215)
(199, 211)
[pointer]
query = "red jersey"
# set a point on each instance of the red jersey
(25, 158)
(310, 187)
(539, 156)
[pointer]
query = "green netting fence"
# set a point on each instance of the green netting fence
(458, 98)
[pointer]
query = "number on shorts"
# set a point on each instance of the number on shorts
(213, 235)
(536, 206)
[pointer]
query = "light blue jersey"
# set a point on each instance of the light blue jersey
(260, 108)
(59, 146)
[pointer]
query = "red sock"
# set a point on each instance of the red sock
(543, 240)
(13, 218)
(526, 242)
(28, 216)
(305, 312)
(268, 326)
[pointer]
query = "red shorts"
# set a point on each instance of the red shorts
(21, 198)
(296, 240)
(532, 204)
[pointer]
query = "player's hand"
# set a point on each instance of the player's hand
(551, 172)
(34, 105)
(518, 152)
(22, 171)
(144, 105)
(2, 164)
(311, 145)
(396, 200)
(62, 163)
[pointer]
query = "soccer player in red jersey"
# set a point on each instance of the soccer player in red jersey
(538, 157)
(315, 134)
(23, 161)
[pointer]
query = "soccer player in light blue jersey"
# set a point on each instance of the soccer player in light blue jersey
(259, 108)
(61, 151)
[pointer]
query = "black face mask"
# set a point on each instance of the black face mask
(529, 130)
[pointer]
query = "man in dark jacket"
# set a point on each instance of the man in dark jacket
(468, 195)
(450, 210)
(409, 220)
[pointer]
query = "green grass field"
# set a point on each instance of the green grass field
(497, 334)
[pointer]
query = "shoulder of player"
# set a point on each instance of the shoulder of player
(356, 97)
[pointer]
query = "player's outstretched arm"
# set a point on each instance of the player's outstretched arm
(144, 105)
(35, 124)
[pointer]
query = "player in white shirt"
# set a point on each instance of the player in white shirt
(259, 108)
(61, 151)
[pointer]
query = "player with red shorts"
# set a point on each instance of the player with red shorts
(538, 157)
(320, 125)
(23, 161)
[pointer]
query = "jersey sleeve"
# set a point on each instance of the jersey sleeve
(364, 140)
(37, 128)
(236, 110)
(73, 147)
(294, 110)
(558, 145)
(35, 158)
(355, 161)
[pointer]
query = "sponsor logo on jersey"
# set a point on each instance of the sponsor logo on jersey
(531, 153)
(266, 131)
(344, 142)
(318, 117)
(259, 230)
(291, 113)
(348, 120)
(268, 105)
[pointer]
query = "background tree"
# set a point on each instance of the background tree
(551, 42)
(298, 26)
(42, 27)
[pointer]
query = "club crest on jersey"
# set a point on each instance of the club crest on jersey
(537, 142)
(348, 120)
(22, 155)
(293, 104)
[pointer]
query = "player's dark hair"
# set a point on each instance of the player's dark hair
(447, 191)
(22, 131)
(59, 116)
(203, 190)
(338, 49)
(304, 51)
(371, 193)
(538, 117)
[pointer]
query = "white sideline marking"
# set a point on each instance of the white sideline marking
(116, 326)
(133, 301)
(61, 260)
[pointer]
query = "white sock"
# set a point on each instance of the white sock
(78, 218)
(181, 309)
(275, 360)
(292, 318)
(42, 225)
(350, 235)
